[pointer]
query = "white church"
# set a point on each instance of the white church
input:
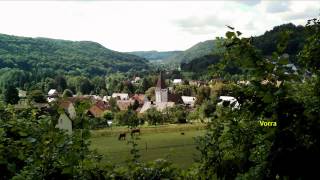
(162, 96)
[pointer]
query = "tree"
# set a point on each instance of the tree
(135, 105)
(153, 116)
(11, 95)
(67, 93)
(99, 84)
(128, 118)
(61, 83)
(183, 90)
(128, 87)
(53, 153)
(237, 146)
(37, 96)
(203, 94)
(113, 105)
(85, 86)
(150, 93)
(178, 114)
(108, 115)
(49, 84)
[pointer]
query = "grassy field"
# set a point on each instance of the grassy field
(159, 143)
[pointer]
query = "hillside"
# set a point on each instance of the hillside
(201, 63)
(155, 55)
(266, 43)
(196, 51)
(69, 57)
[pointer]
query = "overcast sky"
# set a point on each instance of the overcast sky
(156, 25)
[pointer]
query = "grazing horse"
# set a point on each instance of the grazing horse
(122, 136)
(182, 133)
(134, 131)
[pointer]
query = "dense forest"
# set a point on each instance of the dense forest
(25, 62)
(74, 58)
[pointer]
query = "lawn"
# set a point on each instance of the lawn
(180, 149)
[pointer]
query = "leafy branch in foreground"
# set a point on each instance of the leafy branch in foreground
(236, 146)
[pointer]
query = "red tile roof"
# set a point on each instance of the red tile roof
(139, 97)
(65, 104)
(96, 111)
(124, 104)
(98, 108)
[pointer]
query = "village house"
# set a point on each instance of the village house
(120, 96)
(22, 94)
(189, 100)
(77, 98)
(141, 98)
(52, 95)
(93, 97)
(22, 98)
(136, 80)
(124, 104)
(229, 100)
(67, 115)
(97, 110)
(106, 98)
(177, 81)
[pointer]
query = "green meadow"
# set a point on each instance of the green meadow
(172, 145)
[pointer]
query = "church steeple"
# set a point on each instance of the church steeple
(161, 84)
(161, 91)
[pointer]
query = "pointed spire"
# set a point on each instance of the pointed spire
(161, 84)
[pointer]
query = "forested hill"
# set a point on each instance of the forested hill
(68, 57)
(155, 55)
(196, 51)
(266, 43)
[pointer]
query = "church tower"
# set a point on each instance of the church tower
(161, 91)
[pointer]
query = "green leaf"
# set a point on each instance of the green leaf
(230, 34)
(267, 98)
(284, 61)
(239, 33)
(30, 139)
(23, 133)
(269, 67)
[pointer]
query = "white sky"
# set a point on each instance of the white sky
(148, 25)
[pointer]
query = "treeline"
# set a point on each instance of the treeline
(99, 85)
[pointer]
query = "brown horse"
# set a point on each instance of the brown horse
(122, 136)
(134, 131)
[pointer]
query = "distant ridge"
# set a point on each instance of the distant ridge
(198, 50)
(155, 55)
(73, 57)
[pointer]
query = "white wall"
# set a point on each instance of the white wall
(64, 123)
